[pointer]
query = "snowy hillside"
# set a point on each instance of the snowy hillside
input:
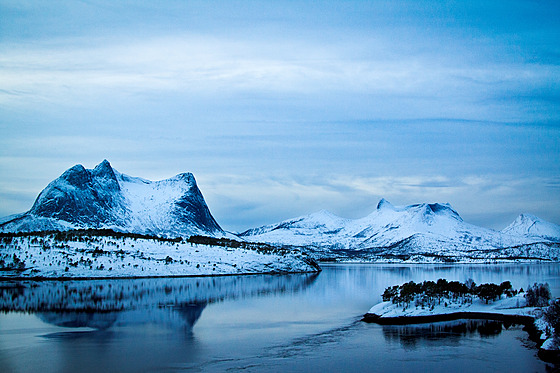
(83, 254)
(105, 198)
(427, 232)
(530, 225)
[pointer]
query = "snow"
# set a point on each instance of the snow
(105, 198)
(510, 306)
(100, 256)
(431, 231)
(551, 344)
(506, 306)
(530, 225)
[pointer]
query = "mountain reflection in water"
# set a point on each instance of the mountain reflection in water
(175, 303)
(286, 323)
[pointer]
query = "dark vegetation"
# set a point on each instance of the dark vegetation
(226, 242)
(430, 293)
(552, 316)
(47, 240)
(77, 233)
(81, 234)
(538, 295)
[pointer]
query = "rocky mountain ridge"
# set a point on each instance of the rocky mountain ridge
(103, 198)
(421, 232)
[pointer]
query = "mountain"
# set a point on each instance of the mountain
(428, 231)
(104, 198)
(530, 225)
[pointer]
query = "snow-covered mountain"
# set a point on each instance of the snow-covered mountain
(105, 198)
(429, 230)
(530, 225)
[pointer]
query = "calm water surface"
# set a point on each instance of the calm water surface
(299, 323)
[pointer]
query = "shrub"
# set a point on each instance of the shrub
(552, 316)
(538, 295)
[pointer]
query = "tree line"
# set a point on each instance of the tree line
(427, 293)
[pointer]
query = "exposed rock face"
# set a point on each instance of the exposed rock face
(105, 198)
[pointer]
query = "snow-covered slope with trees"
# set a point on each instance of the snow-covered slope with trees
(105, 198)
(422, 232)
(92, 254)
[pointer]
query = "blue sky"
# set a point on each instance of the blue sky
(283, 108)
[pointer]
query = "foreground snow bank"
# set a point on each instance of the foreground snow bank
(508, 309)
(51, 256)
(505, 306)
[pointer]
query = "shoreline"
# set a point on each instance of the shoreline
(439, 317)
(87, 278)
(528, 321)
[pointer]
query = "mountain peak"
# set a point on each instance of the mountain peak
(76, 175)
(106, 172)
(528, 224)
(185, 176)
(384, 204)
(441, 209)
(104, 166)
(528, 217)
(103, 197)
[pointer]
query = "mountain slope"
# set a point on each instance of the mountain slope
(429, 230)
(530, 225)
(105, 253)
(105, 198)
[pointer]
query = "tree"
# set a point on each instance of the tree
(552, 316)
(488, 292)
(390, 293)
(538, 295)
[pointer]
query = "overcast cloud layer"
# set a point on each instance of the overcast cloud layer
(283, 108)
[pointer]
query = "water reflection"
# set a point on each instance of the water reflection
(410, 336)
(175, 303)
(296, 323)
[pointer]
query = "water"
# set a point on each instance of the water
(295, 323)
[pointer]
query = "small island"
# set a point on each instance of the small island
(429, 301)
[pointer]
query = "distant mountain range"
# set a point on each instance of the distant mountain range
(104, 198)
(423, 232)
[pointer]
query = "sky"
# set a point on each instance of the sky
(283, 108)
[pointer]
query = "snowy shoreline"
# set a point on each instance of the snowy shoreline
(508, 310)
(438, 317)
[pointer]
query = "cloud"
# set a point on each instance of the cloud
(242, 202)
(203, 67)
(323, 105)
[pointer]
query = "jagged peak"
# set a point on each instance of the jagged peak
(528, 220)
(76, 175)
(77, 169)
(186, 177)
(439, 209)
(104, 170)
(528, 217)
(528, 224)
(103, 166)
(384, 204)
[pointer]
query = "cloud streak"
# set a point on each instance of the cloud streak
(198, 66)
(283, 108)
